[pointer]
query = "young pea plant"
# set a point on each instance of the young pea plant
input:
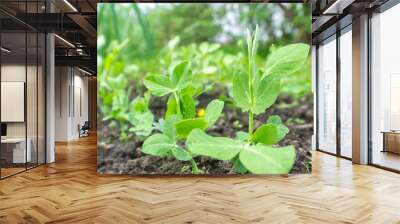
(180, 117)
(131, 117)
(254, 91)
(141, 117)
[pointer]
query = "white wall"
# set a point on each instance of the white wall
(62, 81)
(80, 89)
(9, 73)
(71, 94)
(15, 73)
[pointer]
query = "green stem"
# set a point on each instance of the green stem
(195, 169)
(251, 116)
(178, 104)
(251, 122)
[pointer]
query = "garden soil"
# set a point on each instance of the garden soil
(116, 157)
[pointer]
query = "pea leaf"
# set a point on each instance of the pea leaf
(184, 127)
(168, 127)
(171, 107)
(254, 43)
(143, 123)
(262, 159)
(181, 76)
(159, 125)
(198, 142)
(241, 91)
(238, 166)
(282, 130)
(213, 111)
(192, 90)
(266, 91)
(287, 60)
(181, 154)
(188, 106)
(139, 104)
(249, 42)
(242, 136)
(266, 134)
(158, 145)
(159, 85)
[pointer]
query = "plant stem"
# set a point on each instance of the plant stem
(195, 169)
(178, 104)
(251, 122)
(251, 116)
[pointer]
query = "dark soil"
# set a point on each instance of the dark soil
(116, 157)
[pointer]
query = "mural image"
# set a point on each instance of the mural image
(204, 88)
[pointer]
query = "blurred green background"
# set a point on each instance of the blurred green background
(135, 40)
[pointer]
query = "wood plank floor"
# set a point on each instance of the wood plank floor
(70, 191)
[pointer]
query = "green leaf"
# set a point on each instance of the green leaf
(184, 127)
(171, 107)
(242, 136)
(198, 142)
(266, 92)
(158, 145)
(158, 85)
(287, 60)
(143, 123)
(241, 91)
(249, 43)
(266, 134)
(139, 104)
(192, 90)
(282, 130)
(181, 76)
(262, 159)
(188, 107)
(159, 126)
(181, 154)
(168, 127)
(238, 166)
(213, 111)
(254, 43)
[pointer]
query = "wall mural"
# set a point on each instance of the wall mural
(204, 88)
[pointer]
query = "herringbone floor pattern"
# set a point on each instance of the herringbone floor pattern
(70, 191)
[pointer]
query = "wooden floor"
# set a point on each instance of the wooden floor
(387, 159)
(70, 191)
(5, 172)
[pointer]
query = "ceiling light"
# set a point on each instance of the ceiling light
(84, 71)
(70, 5)
(333, 6)
(5, 50)
(64, 40)
(337, 7)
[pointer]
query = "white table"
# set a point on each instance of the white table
(19, 155)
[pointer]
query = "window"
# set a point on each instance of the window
(22, 101)
(327, 96)
(346, 93)
(385, 89)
